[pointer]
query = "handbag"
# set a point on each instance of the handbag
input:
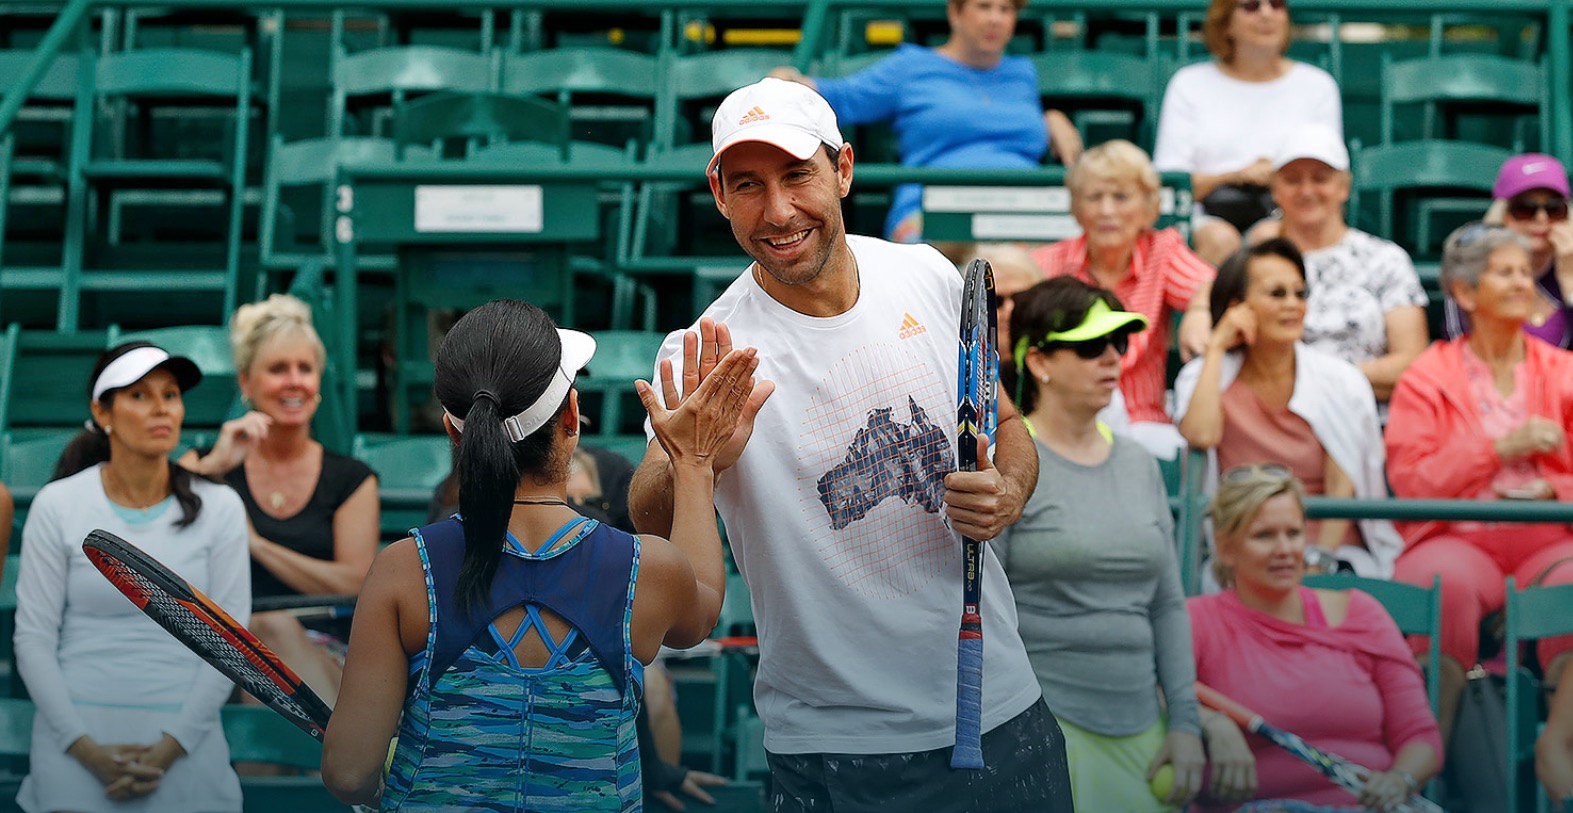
(1476, 768)
(1239, 205)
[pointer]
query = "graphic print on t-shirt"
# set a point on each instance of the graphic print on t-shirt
(875, 457)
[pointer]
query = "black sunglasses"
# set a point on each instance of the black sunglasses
(1253, 6)
(1094, 348)
(1524, 209)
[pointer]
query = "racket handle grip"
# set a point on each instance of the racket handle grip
(968, 753)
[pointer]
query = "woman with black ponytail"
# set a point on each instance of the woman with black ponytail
(128, 718)
(506, 647)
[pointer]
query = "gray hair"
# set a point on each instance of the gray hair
(1469, 248)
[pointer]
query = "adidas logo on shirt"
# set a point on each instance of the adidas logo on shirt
(911, 327)
(752, 116)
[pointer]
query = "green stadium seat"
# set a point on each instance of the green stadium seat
(47, 378)
(457, 123)
(258, 734)
(409, 469)
(1502, 87)
(34, 163)
(366, 85)
(1532, 613)
(1107, 94)
(111, 168)
(1460, 170)
(308, 167)
(621, 357)
(610, 93)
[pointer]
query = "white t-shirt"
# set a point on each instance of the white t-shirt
(1354, 284)
(834, 516)
(1211, 123)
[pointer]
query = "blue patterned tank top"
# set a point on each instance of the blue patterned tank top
(482, 733)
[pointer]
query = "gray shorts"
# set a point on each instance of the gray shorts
(1026, 771)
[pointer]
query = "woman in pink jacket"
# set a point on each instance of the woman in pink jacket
(1485, 417)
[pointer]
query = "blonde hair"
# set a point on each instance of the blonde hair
(279, 315)
(1238, 501)
(1215, 30)
(1117, 160)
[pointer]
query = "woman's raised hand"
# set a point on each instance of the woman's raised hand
(694, 430)
(236, 439)
(1237, 327)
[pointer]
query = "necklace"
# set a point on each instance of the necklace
(563, 503)
(276, 500)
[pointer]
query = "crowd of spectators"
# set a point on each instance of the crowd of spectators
(1306, 371)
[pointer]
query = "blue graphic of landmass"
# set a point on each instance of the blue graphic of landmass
(888, 459)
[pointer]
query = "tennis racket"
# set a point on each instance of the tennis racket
(199, 623)
(1345, 774)
(976, 415)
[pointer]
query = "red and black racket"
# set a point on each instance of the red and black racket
(199, 623)
(976, 415)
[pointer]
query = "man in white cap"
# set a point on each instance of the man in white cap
(840, 495)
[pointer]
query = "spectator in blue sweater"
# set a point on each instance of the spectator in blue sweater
(963, 104)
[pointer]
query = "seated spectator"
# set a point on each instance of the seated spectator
(314, 514)
(1328, 665)
(1367, 306)
(964, 104)
(1114, 196)
(1485, 416)
(1092, 564)
(1260, 395)
(127, 717)
(1223, 121)
(1531, 198)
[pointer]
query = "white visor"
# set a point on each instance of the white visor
(578, 349)
(134, 364)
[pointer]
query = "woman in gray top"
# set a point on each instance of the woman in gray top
(1092, 563)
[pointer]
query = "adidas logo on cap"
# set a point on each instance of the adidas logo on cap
(756, 114)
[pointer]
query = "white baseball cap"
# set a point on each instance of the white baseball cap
(789, 115)
(1318, 142)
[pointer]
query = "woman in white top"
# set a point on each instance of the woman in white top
(128, 718)
(1223, 120)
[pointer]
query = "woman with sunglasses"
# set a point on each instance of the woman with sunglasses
(1259, 394)
(128, 718)
(1531, 198)
(1328, 665)
(1091, 561)
(1485, 416)
(1223, 120)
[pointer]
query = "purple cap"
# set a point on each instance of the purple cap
(1522, 173)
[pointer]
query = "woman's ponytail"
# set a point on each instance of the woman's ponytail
(488, 477)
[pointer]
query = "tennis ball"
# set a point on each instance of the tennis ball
(1163, 782)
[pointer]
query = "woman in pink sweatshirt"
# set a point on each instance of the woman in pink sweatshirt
(1329, 665)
